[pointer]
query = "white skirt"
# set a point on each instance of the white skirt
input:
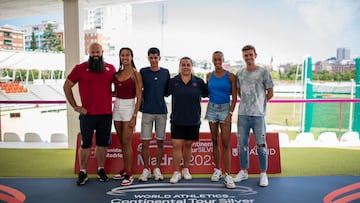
(123, 109)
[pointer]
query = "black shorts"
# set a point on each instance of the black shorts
(100, 124)
(185, 132)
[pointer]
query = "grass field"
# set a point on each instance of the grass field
(59, 163)
(283, 114)
(325, 117)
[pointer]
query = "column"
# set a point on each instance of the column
(356, 120)
(72, 57)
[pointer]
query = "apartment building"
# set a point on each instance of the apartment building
(342, 53)
(95, 35)
(11, 39)
(38, 31)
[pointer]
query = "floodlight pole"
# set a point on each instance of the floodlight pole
(162, 22)
(303, 85)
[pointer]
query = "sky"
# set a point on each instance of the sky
(285, 30)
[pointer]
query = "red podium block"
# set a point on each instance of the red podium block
(201, 160)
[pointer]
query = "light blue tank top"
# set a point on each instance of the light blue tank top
(219, 89)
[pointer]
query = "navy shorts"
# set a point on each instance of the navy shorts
(100, 124)
(185, 132)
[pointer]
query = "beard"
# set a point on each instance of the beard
(96, 64)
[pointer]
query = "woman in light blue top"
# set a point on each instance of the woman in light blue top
(221, 84)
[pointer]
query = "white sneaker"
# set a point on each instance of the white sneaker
(175, 177)
(263, 180)
(145, 175)
(157, 174)
(216, 175)
(186, 174)
(120, 175)
(242, 175)
(128, 180)
(229, 182)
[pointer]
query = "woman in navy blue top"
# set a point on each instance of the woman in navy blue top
(186, 90)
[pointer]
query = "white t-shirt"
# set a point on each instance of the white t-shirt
(253, 86)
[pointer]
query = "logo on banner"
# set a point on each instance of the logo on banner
(271, 151)
(181, 193)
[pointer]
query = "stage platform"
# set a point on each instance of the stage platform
(199, 190)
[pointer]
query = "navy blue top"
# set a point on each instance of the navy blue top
(154, 89)
(186, 99)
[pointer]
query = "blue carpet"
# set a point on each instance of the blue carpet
(198, 190)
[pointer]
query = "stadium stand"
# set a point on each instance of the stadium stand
(12, 87)
(11, 137)
(36, 92)
(328, 138)
(46, 92)
(32, 137)
(58, 137)
(283, 139)
(305, 138)
(350, 137)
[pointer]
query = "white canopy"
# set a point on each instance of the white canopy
(29, 60)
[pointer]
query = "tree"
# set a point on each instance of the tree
(291, 73)
(315, 76)
(325, 75)
(33, 45)
(51, 41)
(348, 76)
(275, 75)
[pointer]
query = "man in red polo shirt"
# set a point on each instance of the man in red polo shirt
(94, 78)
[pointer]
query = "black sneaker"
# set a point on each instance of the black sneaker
(82, 178)
(102, 175)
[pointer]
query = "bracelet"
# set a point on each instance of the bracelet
(134, 115)
(231, 112)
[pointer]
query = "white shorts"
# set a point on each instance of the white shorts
(123, 109)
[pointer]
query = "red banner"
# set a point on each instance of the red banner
(201, 161)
